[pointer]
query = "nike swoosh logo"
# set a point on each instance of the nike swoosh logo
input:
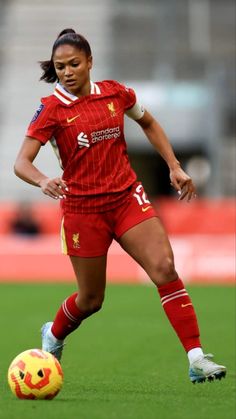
(186, 305)
(147, 208)
(69, 120)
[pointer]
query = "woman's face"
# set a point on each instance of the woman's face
(73, 67)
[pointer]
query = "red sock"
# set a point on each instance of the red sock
(68, 318)
(180, 312)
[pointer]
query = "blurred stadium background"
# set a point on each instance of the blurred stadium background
(180, 58)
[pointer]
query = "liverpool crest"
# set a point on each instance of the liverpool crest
(111, 108)
(75, 238)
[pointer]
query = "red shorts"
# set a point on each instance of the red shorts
(90, 235)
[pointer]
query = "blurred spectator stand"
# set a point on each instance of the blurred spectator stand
(24, 223)
(202, 235)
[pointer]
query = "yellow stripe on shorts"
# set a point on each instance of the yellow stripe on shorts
(63, 239)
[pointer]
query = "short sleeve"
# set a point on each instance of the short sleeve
(43, 123)
(128, 96)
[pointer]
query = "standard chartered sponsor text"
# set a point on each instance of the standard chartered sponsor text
(105, 134)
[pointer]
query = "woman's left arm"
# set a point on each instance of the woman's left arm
(179, 179)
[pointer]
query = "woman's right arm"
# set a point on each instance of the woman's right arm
(26, 171)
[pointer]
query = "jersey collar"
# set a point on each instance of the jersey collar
(61, 93)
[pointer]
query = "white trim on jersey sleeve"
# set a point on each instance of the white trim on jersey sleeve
(136, 112)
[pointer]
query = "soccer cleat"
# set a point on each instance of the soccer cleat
(49, 343)
(203, 368)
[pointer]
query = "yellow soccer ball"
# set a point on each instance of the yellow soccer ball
(35, 374)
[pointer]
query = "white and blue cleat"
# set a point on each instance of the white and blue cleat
(203, 369)
(50, 343)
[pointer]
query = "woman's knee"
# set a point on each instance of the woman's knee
(163, 271)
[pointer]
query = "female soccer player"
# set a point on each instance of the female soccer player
(101, 198)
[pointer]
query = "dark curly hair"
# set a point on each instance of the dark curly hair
(65, 37)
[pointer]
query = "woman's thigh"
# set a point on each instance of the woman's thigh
(90, 274)
(148, 244)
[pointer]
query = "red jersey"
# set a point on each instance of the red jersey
(87, 135)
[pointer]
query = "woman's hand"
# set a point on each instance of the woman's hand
(55, 188)
(183, 184)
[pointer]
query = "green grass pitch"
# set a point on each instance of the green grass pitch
(125, 362)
